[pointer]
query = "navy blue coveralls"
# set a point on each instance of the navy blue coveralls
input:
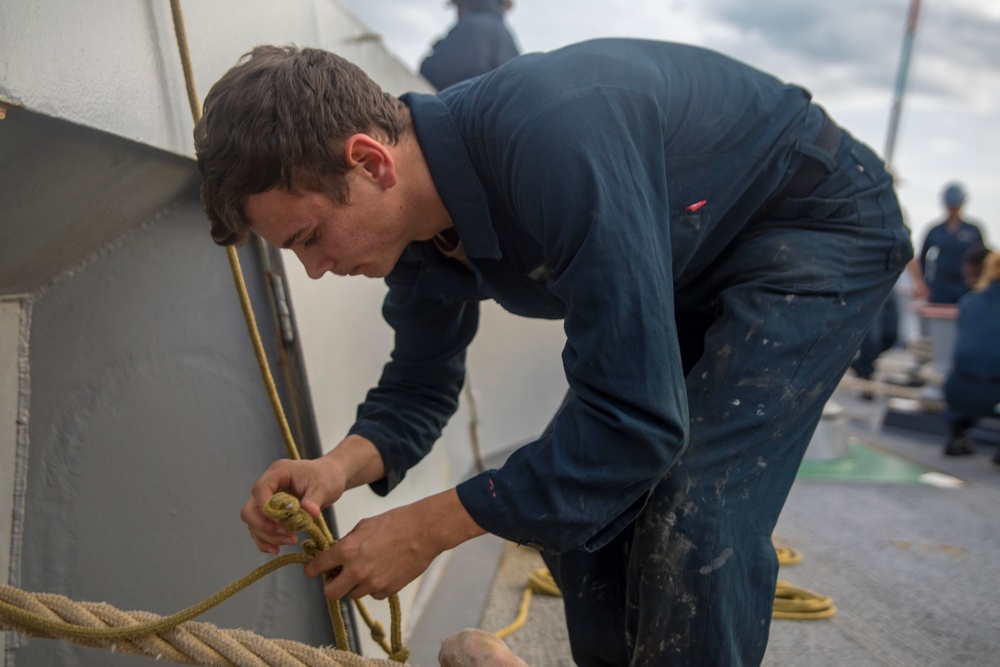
(479, 42)
(651, 196)
(972, 389)
(941, 260)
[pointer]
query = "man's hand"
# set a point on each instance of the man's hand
(385, 553)
(317, 483)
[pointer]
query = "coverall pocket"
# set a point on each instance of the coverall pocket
(805, 244)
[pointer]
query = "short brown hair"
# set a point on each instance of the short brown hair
(279, 117)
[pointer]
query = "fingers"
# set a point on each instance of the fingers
(349, 572)
(355, 582)
(316, 483)
(267, 535)
(378, 557)
(312, 506)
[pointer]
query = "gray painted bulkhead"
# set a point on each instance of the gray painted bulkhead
(103, 251)
(144, 417)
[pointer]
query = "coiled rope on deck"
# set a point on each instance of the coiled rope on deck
(794, 602)
(790, 602)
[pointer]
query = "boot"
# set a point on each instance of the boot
(865, 394)
(959, 444)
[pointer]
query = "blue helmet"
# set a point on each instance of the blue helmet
(954, 195)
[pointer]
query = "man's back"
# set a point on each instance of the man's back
(684, 122)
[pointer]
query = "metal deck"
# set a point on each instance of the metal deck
(912, 565)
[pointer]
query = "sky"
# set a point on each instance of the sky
(845, 52)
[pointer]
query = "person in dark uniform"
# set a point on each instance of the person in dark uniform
(715, 245)
(478, 43)
(940, 265)
(972, 388)
(882, 335)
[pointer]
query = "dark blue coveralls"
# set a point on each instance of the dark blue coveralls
(715, 270)
(941, 260)
(882, 335)
(479, 42)
(972, 389)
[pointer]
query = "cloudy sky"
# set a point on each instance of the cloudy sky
(846, 52)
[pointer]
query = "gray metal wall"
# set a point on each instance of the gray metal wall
(147, 421)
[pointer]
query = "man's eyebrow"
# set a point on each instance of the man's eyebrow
(292, 239)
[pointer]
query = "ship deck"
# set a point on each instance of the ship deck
(910, 559)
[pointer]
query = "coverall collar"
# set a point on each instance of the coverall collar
(453, 174)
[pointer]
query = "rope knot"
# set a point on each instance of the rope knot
(285, 508)
(311, 549)
(378, 631)
(402, 655)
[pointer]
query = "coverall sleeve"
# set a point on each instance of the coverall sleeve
(590, 188)
(419, 387)
(924, 247)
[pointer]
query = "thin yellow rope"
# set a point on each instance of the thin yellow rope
(790, 602)
(800, 604)
(794, 602)
(540, 581)
(98, 624)
(72, 631)
(396, 647)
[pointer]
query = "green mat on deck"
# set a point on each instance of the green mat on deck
(864, 464)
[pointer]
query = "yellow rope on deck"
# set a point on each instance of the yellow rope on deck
(540, 581)
(790, 602)
(796, 603)
(799, 604)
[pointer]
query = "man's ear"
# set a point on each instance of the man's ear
(373, 156)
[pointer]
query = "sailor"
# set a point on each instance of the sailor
(479, 42)
(714, 244)
(940, 259)
(972, 388)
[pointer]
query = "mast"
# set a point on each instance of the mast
(900, 87)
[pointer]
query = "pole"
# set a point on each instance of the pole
(900, 87)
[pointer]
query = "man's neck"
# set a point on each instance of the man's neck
(420, 195)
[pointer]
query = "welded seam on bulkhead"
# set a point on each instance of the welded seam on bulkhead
(20, 463)
(108, 248)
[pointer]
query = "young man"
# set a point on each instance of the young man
(714, 244)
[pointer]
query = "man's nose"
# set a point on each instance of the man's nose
(314, 263)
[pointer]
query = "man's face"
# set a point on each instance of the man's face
(362, 237)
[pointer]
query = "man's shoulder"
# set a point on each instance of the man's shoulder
(972, 224)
